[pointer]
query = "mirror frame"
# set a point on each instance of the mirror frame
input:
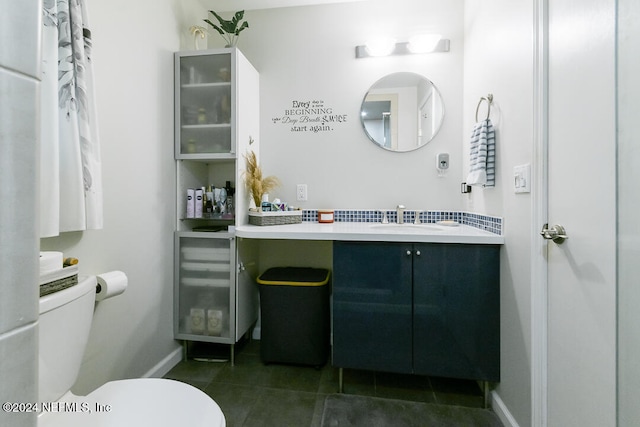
(388, 97)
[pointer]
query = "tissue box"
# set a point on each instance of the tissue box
(275, 218)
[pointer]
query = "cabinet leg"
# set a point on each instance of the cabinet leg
(340, 380)
(233, 355)
(485, 391)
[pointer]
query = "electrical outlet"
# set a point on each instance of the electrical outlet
(301, 192)
(442, 161)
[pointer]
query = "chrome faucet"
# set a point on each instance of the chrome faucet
(417, 218)
(400, 214)
(385, 220)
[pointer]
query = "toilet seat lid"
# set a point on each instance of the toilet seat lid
(140, 402)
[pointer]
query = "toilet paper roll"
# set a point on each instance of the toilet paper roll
(111, 284)
(50, 261)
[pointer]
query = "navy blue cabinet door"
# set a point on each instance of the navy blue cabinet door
(372, 306)
(456, 294)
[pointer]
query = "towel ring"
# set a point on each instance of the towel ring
(489, 100)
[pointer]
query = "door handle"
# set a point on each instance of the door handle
(556, 233)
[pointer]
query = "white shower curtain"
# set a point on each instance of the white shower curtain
(70, 167)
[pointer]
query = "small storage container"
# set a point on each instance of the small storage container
(325, 216)
(294, 306)
(275, 218)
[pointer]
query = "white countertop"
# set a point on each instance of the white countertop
(371, 232)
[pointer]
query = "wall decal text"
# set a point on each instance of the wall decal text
(310, 116)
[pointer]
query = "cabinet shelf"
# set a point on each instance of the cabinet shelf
(204, 282)
(206, 266)
(217, 218)
(205, 254)
(214, 85)
(223, 338)
(207, 126)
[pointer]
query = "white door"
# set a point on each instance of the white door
(581, 327)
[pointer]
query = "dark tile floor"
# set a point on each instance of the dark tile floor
(253, 394)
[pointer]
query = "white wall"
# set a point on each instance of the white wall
(19, 91)
(308, 53)
(628, 204)
(498, 60)
(133, 67)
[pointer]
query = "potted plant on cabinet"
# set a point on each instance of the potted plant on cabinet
(229, 30)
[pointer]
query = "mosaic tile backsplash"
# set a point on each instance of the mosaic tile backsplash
(491, 224)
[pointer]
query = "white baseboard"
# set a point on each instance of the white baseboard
(502, 411)
(165, 365)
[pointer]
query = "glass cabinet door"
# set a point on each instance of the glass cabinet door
(203, 104)
(205, 287)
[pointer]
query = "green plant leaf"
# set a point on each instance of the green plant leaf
(230, 27)
(218, 29)
(218, 17)
(244, 25)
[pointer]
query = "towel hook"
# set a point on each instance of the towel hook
(489, 100)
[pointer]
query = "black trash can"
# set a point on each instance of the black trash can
(294, 307)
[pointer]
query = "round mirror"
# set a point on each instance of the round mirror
(402, 112)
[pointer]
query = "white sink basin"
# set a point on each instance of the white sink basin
(410, 227)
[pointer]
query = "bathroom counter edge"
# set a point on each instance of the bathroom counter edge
(462, 234)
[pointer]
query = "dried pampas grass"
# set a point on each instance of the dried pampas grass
(255, 183)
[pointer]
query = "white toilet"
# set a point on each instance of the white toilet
(64, 325)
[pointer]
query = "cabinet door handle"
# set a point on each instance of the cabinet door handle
(408, 253)
(418, 253)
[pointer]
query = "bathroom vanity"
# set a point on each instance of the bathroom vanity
(417, 308)
(408, 298)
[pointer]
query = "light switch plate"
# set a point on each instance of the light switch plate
(522, 178)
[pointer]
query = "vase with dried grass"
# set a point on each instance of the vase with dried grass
(255, 183)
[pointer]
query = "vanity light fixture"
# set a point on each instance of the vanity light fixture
(383, 46)
(422, 43)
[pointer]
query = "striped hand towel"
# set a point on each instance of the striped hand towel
(482, 168)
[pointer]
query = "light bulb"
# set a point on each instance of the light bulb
(423, 43)
(381, 46)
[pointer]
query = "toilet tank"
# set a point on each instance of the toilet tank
(63, 332)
